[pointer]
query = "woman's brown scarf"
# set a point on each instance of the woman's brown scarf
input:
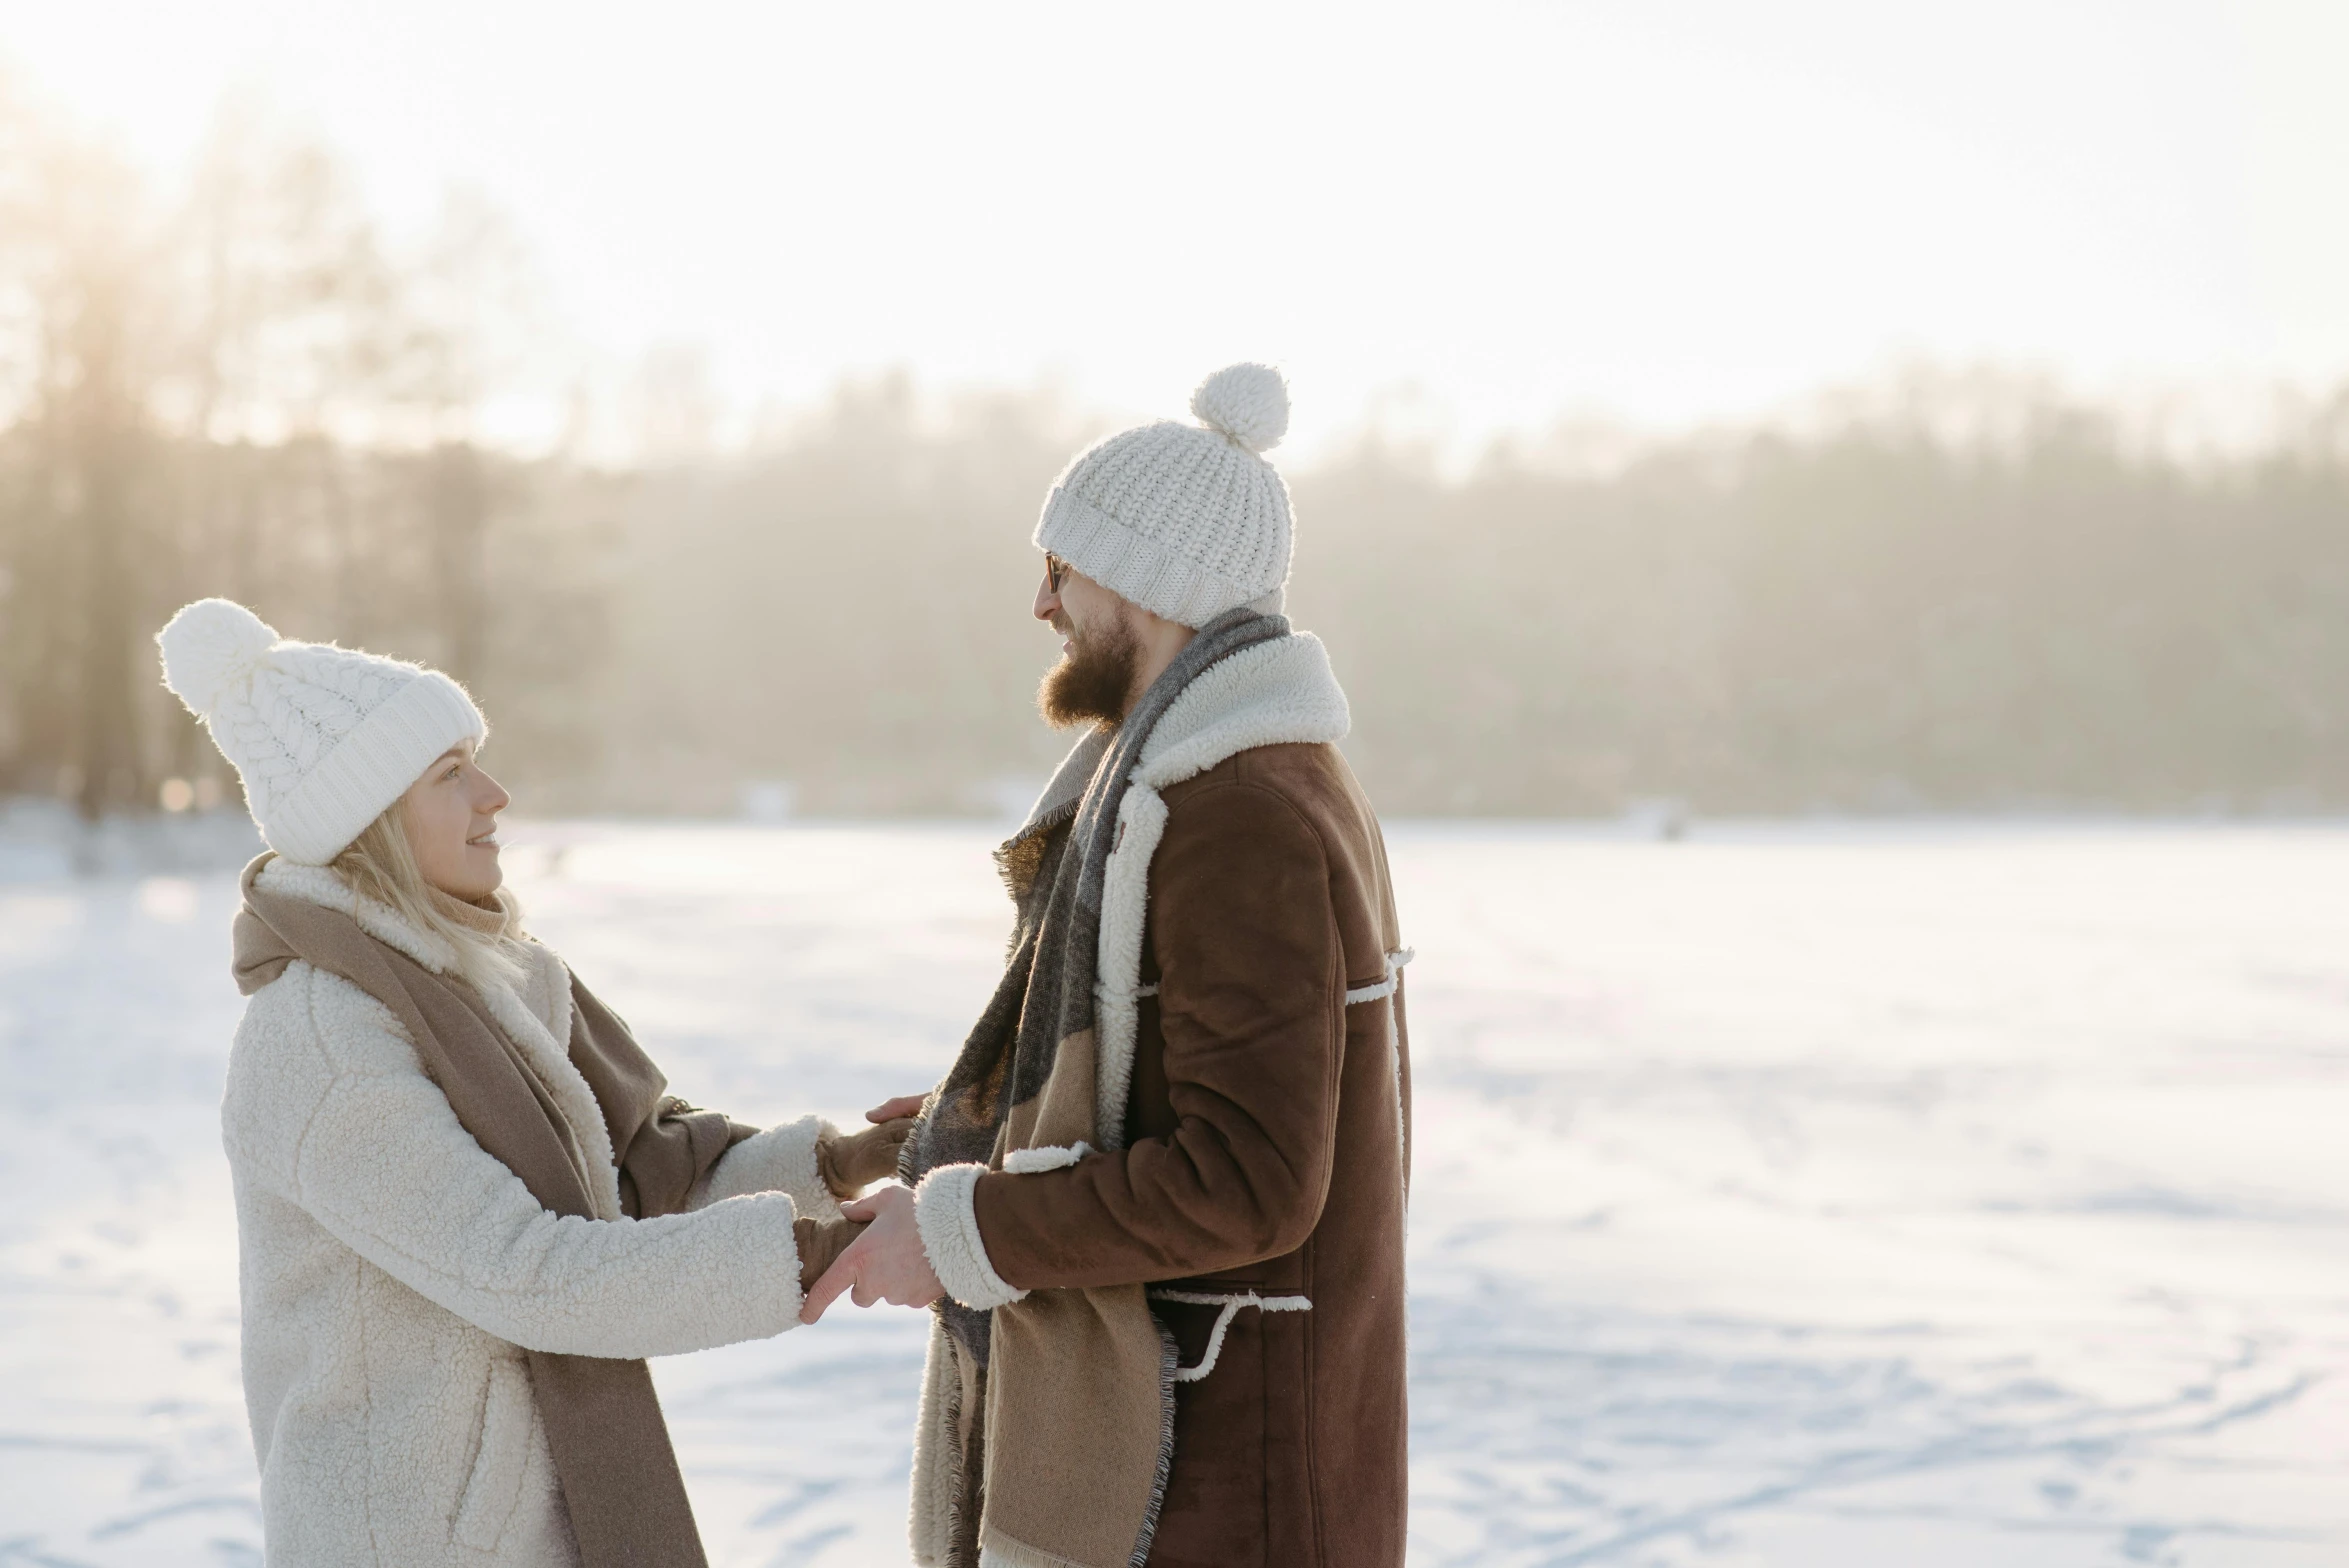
(603, 1421)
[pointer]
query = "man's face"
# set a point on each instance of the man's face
(1098, 653)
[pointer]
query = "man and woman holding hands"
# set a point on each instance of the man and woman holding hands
(1156, 1201)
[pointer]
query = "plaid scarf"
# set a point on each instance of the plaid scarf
(1054, 868)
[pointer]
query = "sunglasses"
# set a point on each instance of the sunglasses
(1056, 571)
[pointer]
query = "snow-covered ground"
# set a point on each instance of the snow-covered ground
(1824, 1197)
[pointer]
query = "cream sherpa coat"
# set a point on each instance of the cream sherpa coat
(392, 1270)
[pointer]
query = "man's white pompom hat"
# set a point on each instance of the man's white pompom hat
(325, 738)
(1185, 520)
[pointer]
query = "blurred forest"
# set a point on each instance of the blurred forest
(1965, 593)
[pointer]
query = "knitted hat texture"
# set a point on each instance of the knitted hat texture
(1187, 521)
(324, 738)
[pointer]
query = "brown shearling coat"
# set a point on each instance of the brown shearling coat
(1268, 1151)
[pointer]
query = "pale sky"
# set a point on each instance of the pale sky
(1669, 211)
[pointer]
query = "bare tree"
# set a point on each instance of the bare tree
(81, 258)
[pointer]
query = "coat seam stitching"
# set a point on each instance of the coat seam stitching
(367, 1379)
(318, 1105)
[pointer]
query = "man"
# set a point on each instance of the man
(1161, 1191)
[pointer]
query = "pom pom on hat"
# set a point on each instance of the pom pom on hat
(210, 649)
(1247, 402)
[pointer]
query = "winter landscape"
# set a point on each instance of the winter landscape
(1827, 1195)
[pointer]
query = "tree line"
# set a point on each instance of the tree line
(1977, 595)
(239, 386)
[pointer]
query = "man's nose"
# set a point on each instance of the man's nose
(1047, 602)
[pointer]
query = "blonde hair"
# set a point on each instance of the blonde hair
(381, 864)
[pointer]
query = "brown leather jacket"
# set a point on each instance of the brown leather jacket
(1268, 1154)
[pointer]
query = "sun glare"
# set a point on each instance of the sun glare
(1669, 213)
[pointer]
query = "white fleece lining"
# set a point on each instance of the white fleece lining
(1386, 987)
(949, 1227)
(1125, 908)
(1045, 1157)
(1275, 693)
(1395, 1072)
(1231, 1302)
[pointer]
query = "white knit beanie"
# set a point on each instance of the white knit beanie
(1185, 521)
(325, 738)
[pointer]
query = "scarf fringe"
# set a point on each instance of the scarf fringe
(1170, 1362)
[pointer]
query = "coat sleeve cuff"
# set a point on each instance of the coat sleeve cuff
(950, 1236)
(781, 1159)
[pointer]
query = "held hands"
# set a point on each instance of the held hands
(820, 1243)
(854, 1161)
(886, 1263)
(876, 1249)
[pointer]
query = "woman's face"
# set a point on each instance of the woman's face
(451, 817)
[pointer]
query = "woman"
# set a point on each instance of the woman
(466, 1209)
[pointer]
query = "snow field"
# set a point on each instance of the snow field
(1821, 1196)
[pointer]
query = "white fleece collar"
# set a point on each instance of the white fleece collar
(1274, 693)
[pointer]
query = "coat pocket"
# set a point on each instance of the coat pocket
(501, 1456)
(1231, 1301)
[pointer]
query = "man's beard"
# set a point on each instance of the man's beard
(1091, 682)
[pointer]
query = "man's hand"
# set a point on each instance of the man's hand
(903, 1105)
(886, 1263)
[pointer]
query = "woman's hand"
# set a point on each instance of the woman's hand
(854, 1161)
(820, 1243)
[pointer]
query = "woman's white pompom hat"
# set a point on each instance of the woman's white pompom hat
(1185, 520)
(324, 738)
